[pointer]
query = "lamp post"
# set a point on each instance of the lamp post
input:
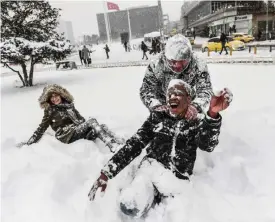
(266, 28)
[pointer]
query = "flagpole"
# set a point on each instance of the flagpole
(109, 27)
(129, 25)
(106, 22)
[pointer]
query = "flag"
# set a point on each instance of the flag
(112, 6)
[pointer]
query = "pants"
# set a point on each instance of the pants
(91, 130)
(107, 54)
(144, 54)
(151, 181)
(84, 131)
(223, 47)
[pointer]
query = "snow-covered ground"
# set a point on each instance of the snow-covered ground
(49, 181)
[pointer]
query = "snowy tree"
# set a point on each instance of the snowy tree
(29, 37)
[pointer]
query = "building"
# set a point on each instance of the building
(66, 27)
(213, 17)
(143, 20)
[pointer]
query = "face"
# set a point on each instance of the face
(55, 99)
(178, 66)
(178, 100)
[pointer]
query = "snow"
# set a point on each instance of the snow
(50, 181)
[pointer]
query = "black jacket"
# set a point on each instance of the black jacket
(62, 118)
(172, 142)
(158, 75)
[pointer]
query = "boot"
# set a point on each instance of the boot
(112, 135)
(103, 135)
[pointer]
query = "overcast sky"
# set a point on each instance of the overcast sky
(83, 13)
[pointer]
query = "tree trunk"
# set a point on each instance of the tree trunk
(24, 68)
(31, 73)
(21, 78)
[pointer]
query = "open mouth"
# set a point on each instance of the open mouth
(174, 104)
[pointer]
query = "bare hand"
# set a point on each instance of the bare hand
(221, 101)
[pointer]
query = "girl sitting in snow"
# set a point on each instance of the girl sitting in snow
(171, 143)
(66, 121)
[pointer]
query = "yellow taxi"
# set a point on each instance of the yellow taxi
(243, 37)
(214, 44)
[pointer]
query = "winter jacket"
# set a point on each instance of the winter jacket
(158, 75)
(172, 142)
(223, 38)
(106, 48)
(62, 117)
(85, 53)
(144, 47)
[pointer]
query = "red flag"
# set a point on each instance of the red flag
(112, 6)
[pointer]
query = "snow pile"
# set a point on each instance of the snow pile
(50, 181)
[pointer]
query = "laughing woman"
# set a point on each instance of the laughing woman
(66, 121)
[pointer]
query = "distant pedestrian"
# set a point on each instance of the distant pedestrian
(125, 46)
(85, 55)
(144, 48)
(80, 56)
(129, 46)
(223, 40)
(259, 35)
(107, 50)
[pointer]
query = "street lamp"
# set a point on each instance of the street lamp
(266, 28)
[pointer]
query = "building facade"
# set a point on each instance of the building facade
(142, 20)
(66, 27)
(213, 17)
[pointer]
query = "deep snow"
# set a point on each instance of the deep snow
(49, 181)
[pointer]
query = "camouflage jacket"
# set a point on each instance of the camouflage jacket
(62, 118)
(172, 142)
(158, 76)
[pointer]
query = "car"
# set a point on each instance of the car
(243, 37)
(214, 44)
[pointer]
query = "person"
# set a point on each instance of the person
(66, 121)
(107, 50)
(153, 47)
(176, 62)
(125, 46)
(144, 48)
(86, 55)
(171, 144)
(80, 56)
(224, 40)
(129, 46)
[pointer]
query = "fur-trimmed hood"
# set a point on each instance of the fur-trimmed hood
(54, 88)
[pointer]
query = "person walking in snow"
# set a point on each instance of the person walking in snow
(171, 143)
(223, 40)
(125, 46)
(66, 121)
(86, 55)
(144, 49)
(107, 50)
(177, 62)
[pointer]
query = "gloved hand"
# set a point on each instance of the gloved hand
(220, 102)
(19, 145)
(100, 182)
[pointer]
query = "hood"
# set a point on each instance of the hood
(54, 88)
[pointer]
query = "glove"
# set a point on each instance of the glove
(19, 145)
(191, 113)
(101, 182)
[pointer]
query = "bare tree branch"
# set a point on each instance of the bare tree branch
(7, 65)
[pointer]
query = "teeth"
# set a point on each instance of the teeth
(173, 104)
